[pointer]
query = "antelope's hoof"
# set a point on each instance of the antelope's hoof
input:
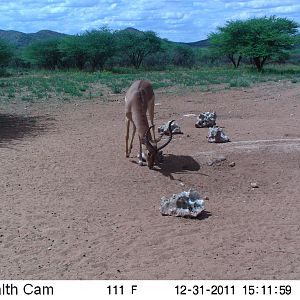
(141, 163)
(142, 158)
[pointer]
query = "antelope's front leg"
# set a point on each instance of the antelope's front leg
(142, 158)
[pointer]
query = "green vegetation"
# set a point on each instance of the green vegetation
(254, 41)
(258, 39)
(35, 86)
(136, 45)
(101, 63)
(6, 53)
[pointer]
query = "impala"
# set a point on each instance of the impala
(139, 100)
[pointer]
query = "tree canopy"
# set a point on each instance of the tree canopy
(257, 38)
(45, 53)
(137, 45)
(6, 53)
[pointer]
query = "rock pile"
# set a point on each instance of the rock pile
(184, 204)
(164, 129)
(216, 135)
(206, 119)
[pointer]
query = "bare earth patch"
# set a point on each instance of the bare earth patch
(73, 207)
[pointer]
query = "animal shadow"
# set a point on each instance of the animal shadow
(177, 164)
(17, 127)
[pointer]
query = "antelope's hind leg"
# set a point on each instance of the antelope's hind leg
(132, 137)
(127, 124)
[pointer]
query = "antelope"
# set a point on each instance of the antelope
(139, 100)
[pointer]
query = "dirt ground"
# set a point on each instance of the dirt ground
(73, 207)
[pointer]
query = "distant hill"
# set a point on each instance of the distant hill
(198, 44)
(20, 39)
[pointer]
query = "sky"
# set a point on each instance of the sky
(175, 20)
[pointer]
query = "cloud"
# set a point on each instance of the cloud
(176, 20)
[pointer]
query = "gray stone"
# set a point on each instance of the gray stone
(216, 135)
(216, 160)
(184, 204)
(254, 185)
(164, 129)
(206, 119)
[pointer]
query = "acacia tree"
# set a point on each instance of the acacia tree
(137, 45)
(258, 39)
(100, 46)
(74, 51)
(268, 37)
(6, 53)
(91, 48)
(228, 40)
(183, 56)
(45, 53)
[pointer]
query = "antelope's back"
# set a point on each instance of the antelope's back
(138, 95)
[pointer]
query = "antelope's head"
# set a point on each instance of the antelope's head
(152, 147)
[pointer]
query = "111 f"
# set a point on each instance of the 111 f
(119, 289)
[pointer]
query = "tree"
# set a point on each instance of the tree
(74, 51)
(100, 46)
(258, 39)
(266, 38)
(137, 45)
(45, 54)
(6, 53)
(183, 56)
(228, 40)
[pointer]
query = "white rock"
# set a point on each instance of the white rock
(184, 204)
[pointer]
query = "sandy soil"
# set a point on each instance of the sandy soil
(73, 207)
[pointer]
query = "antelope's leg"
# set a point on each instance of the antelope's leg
(151, 114)
(141, 153)
(132, 137)
(127, 123)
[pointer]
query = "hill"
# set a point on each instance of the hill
(198, 44)
(21, 40)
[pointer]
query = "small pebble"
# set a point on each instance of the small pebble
(232, 164)
(254, 185)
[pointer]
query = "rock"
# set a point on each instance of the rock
(216, 135)
(232, 164)
(206, 119)
(164, 129)
(216, 160)
(254, 185)
(190, 115)
(184, 204)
